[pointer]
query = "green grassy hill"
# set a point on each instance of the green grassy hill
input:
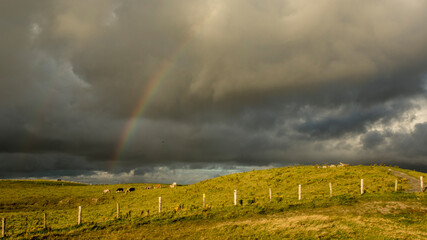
(379, 213)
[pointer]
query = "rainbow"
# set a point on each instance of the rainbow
(142, 104)
(152, 87)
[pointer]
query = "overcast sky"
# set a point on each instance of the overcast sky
(161, 91)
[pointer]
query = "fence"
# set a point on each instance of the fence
(53, 217)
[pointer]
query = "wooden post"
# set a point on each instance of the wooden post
(269, 191)
(204, 200)
(79, 220)
(421, 184)
(3, 227)
(330, 189)
(160, 204)
(395, 185)
(361, 186)
(235, 197)
(26, 228)
(118, 210)
(44, 220)
(299, 192)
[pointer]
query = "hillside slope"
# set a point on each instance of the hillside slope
(23, 205)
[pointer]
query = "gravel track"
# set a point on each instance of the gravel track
(413, 182)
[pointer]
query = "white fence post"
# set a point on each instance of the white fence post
(235, 197)
(330, 189)
(269, 191)
(3, 227)
(421, 184)
(204, 200)
(79, 219)
(160, 204)
(361, 186)
(299, 192)
(118, 210)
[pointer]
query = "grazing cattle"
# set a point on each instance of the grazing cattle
(173, 185)
(119, 190)
(106, 191)
(158, 186)
(149, 187)
(130, 190)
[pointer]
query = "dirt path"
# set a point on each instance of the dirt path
(413, 182)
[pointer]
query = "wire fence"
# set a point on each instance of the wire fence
(30, 222)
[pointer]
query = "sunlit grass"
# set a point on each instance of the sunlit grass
(24, 202)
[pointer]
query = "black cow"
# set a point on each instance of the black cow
(130, 189)
(119, 190)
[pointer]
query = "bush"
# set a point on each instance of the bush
(250, 201)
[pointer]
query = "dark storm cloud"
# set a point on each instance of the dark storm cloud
(286, 47)
(372, 139)
(15, 165)
(236, 83)
(352, 120)
(412, 144)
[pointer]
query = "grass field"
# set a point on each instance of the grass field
(380, 213)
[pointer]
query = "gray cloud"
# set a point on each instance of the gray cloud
(233, 83)
(372, 139)
(15, 165)
(353, 119)
(412, 144)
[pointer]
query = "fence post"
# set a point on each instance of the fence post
(299, 192)
(118, 210)
(269, 191)
(44, 220)
(79, 220)
(235, 197)
(395, 185)
(3, 227)
(361, 186)
(160, 204)
(330, 189)
(421, 184)
(204, 200)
